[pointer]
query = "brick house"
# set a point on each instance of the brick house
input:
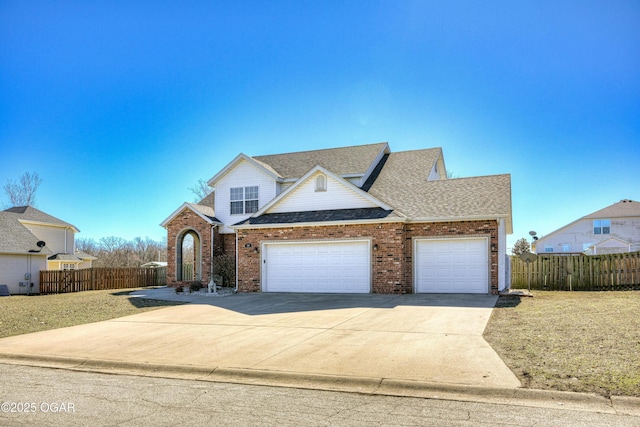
(358, 219)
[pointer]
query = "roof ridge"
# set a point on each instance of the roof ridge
(319, 150)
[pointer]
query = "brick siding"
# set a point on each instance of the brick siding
(392, 243)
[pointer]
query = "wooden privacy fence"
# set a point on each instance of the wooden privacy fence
(94, 279)
(612, 272)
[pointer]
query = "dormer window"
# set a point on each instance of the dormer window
(244, 200)
(321, 183)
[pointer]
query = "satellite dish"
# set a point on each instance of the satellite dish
(532, 233)
(41, 244)
(528, 257)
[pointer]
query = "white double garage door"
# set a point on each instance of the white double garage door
(457, 265)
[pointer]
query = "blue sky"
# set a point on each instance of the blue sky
(121, 106)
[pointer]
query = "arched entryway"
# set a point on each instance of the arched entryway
(188, 256)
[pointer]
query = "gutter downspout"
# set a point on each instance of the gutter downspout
(212, 285)
(236, 231)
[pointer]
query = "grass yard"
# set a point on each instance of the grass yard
(21, 314)
(571, 341)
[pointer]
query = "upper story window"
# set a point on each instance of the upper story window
(321, 183)
(566, 247)
(601, 226)
(548, 248)
(244, 200)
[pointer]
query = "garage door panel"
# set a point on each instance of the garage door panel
(317, 267)
(453, 265)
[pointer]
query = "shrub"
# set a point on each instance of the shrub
(195, 286)
(225, 266)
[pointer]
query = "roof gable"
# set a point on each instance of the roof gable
(339, 194)
(205, 212)
(33, 215)
(239, 159)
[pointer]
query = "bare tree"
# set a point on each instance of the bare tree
(117, 252)
(88, 246)
(23, 192)
(200, 190)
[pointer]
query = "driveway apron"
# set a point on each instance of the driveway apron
(413, 338)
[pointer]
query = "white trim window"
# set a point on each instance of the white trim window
(601, 226)
(68, 266)
(244, 200)
(566, 247)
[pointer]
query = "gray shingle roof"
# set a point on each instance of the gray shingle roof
(320, 216)
(64, 257)
(341, 161)
(207, 211)
(624, 208)
(16, 238)
(30, 213)
(402, 183)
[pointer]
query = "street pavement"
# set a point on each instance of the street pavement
(60, 397)
(405, 345)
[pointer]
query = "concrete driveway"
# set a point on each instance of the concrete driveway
(301, 339)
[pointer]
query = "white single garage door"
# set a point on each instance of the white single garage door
(316, 267)
(452, 266)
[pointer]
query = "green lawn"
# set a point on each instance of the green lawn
(571, 341)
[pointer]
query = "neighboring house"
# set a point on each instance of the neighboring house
(32, 241)
(614, 229)
(355, 219)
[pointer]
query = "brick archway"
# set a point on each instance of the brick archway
(182, 273)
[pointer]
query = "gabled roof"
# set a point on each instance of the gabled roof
(65, 257)
(84, 256)
(403, 184)
(240, 157)
(343, 161)
(205, 212)
(607, 242)
(16, 238)
(624, 208)
(305, 178)
(31, 214)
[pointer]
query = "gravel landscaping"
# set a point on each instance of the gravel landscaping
(571, 341)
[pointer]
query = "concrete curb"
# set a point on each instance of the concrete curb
(620, 405)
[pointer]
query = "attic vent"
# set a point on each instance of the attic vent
(321, 183)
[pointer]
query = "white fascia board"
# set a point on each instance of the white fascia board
(313, 170)
(233, 163)
(47, 224)
(187, 205)
(612, 238)
(317, 224)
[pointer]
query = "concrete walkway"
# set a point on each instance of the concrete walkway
(417, 345)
